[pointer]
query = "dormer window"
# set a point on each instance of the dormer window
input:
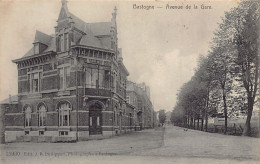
(36, 48)
(63, 42)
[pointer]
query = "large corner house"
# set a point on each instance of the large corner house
(71, 85)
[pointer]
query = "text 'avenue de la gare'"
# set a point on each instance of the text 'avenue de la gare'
(172, 7)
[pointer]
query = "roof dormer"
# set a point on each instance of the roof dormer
(41, 41)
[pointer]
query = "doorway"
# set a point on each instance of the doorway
(95, 119)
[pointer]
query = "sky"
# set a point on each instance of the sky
(160, 47)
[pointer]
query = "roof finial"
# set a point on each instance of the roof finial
(115, 9)
(64, 2)
(114, 13)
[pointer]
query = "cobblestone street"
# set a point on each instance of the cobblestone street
(172, 145)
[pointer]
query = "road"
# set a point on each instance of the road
(172, 145)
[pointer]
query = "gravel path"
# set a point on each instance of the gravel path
(172, 145)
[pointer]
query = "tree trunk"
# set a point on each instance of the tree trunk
(247, 128)
(202, 120)
(194, 120)
(191, 121)
(198, 123)
(206, 123)
(225, 110)
(206, 112)
(188, 122)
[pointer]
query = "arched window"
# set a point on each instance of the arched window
(28, 116)
(64, 114)
(42, 115)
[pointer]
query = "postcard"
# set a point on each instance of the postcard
(129, 81)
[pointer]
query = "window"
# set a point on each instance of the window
(90, 121)
(64, 114)
(42, 115)
(61, 71)
(64, 77)
(88, 78)
(41, 133)
(97, 78)
(34, 81)
(28, 116)
(58, 44)
(67, 76)
(115, 118)
(98, 122)
(66, 42)
(107, 80)
(101, 74)
(63, 42)
(94, 79)
(26, 132)
(63, 133)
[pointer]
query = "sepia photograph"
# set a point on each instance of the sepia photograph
(85, 81)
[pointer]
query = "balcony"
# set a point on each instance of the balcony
(97, 92)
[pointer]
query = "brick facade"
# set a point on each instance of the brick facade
(138, 95)
(71, 85)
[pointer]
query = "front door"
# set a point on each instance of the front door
(95, 121)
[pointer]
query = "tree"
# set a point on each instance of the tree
(235, 47)
(222, 64)
(245, 23)
(162, 116)
(177, 116)
(228, 77)
(190, 103)
(205, 76)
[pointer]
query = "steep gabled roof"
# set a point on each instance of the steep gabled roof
(100, 28)
(42, 38)
(97, 28)
(90, 40)
(95, 34)
(45, 39)
(29, 53)
(51, 45)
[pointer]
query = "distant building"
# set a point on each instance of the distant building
(71, 85)
(138, 95)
